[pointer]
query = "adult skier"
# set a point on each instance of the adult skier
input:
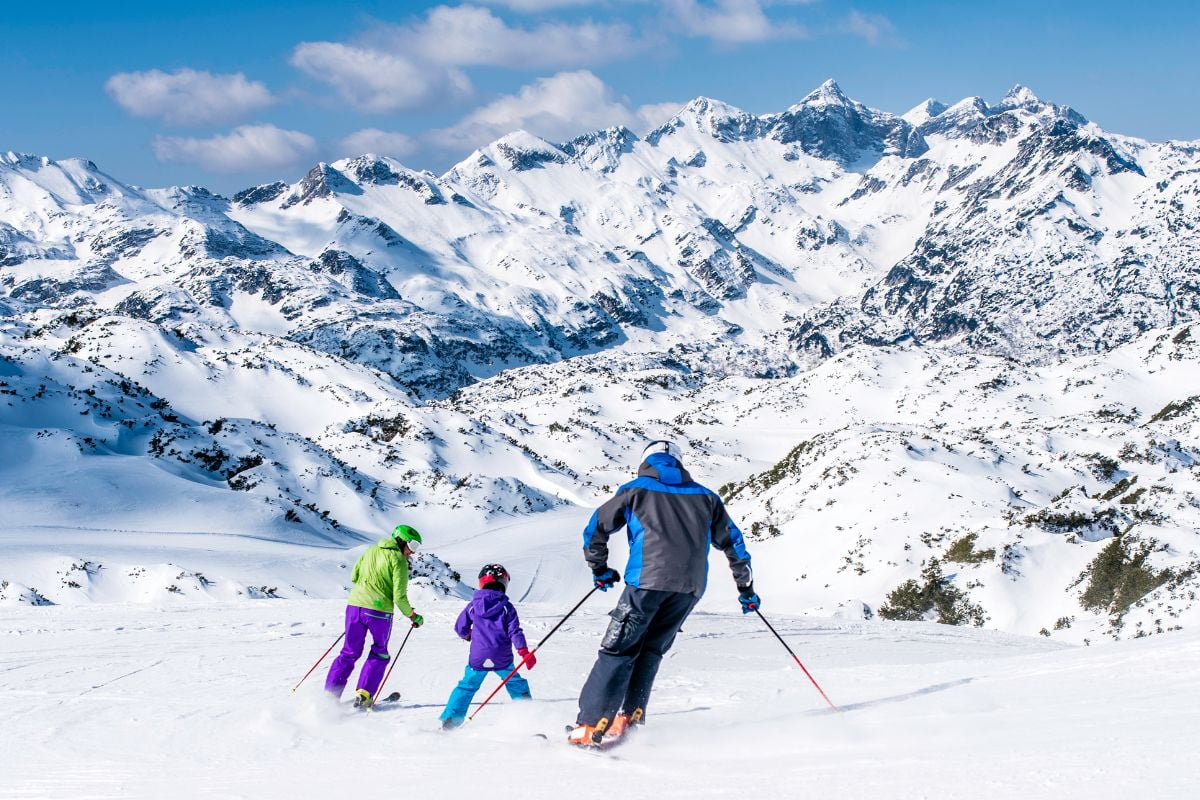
(380, 578)
(670, 520)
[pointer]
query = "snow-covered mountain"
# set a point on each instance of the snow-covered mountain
(961, 333)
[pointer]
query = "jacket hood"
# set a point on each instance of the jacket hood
(665, 469)
(488, 603)
(388, 544)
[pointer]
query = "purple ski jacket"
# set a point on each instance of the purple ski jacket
(491, 624)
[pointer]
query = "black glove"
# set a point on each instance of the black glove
(748, 599)
(605, 578)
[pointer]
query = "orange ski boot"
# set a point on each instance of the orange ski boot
(622, 723)
(587, 735)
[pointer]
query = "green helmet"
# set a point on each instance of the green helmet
(408, 535)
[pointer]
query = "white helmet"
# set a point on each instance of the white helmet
(663, 446)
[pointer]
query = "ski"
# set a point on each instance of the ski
(360, 704)
(391, 698)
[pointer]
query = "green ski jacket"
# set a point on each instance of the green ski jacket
(380, 578)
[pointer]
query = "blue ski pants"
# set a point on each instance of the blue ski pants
(472, 679)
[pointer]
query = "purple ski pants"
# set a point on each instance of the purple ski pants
(358, 622)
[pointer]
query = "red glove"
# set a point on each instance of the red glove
(527, 657)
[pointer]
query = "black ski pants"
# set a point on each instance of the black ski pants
(642, 629)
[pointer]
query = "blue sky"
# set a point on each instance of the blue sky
(227, 94)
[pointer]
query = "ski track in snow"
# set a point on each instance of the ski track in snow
(120, 677)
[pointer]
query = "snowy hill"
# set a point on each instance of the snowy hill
(955, 347)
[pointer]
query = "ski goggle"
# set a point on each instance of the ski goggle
(412, 544)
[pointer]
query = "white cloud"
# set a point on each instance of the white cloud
(245, 147)
(373, 140)
(417, 64)
(372, 80)
(187, 95)
(732, 21)
(876, 29)
(473, 36)
(556, 108)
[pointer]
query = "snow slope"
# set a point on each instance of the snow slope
(113, 701)
(192, 699)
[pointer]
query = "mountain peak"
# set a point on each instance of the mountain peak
(924, 111)
(969, 107)
(708, 116)
(24, 160)
(524, 140)
(371, 168)
(1023, 97)
(828, 93)
(707, 108)
(521, 150)
(368, 158)
(1020, 96)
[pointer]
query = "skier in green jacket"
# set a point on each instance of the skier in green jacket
(380, 578)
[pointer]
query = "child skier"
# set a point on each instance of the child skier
(380, 578)
(490, 624)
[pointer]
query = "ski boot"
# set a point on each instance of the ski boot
(584, 736)
(451, 723)
(623, 723)
(362, 700)
(587, 735)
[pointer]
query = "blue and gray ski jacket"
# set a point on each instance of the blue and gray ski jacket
(671, 521)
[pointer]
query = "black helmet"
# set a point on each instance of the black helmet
(493, 572)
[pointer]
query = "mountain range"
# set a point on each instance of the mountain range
(943, 363)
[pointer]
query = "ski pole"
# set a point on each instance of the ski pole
(392, 666)
(319, 660)
(798, 662)
(531, 652)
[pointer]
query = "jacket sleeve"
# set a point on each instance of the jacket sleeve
(400, 585)
(606, 520)
(463, 625)
(728, 539)
(514, 629)
(356, 572)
